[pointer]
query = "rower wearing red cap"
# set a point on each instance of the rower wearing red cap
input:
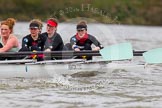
(54, 41)
(52, 23)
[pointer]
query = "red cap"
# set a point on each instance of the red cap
(52, 23)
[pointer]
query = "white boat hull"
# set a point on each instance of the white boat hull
(50, 69)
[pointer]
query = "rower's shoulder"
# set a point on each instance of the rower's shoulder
(57, 34)
(91, 36)
(44, 34)
(27, 36)
(13, 36)
(74, 36)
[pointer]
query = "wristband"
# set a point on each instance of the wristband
(75, 46)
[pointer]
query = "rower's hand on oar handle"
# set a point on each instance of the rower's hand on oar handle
(48, 50)
(38, 57)
(96, 49)
(34, 56)
(76, 48)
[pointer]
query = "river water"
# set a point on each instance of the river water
(117, 89)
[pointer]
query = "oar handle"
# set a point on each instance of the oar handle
(138, 53)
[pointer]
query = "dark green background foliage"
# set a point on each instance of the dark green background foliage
(146, 12)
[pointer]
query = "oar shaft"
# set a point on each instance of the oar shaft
(61, 53)
(52, 53)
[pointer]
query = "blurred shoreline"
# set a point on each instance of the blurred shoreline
(137, 12)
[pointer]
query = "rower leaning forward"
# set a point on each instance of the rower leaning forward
(82, 41)
(34, 41)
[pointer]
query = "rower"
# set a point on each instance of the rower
(34, 41)
(8, 41)
(82, 41)
(54, 41)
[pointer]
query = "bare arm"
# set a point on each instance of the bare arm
(12, 42)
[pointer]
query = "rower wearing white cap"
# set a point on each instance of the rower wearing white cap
(34, 41)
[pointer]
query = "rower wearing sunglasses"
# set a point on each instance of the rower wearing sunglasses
(83, 41)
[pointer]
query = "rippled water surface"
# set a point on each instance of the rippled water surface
(120, 88)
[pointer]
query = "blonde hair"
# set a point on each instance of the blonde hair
(10, 22)
(83, 22)
(38, 21)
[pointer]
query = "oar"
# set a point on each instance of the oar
(73, 53)
(138, 53)
(153, 56)
(120, 51)
(16, 61)
(52, 53)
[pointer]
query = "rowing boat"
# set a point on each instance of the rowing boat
(113, 57)
(47, 69)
